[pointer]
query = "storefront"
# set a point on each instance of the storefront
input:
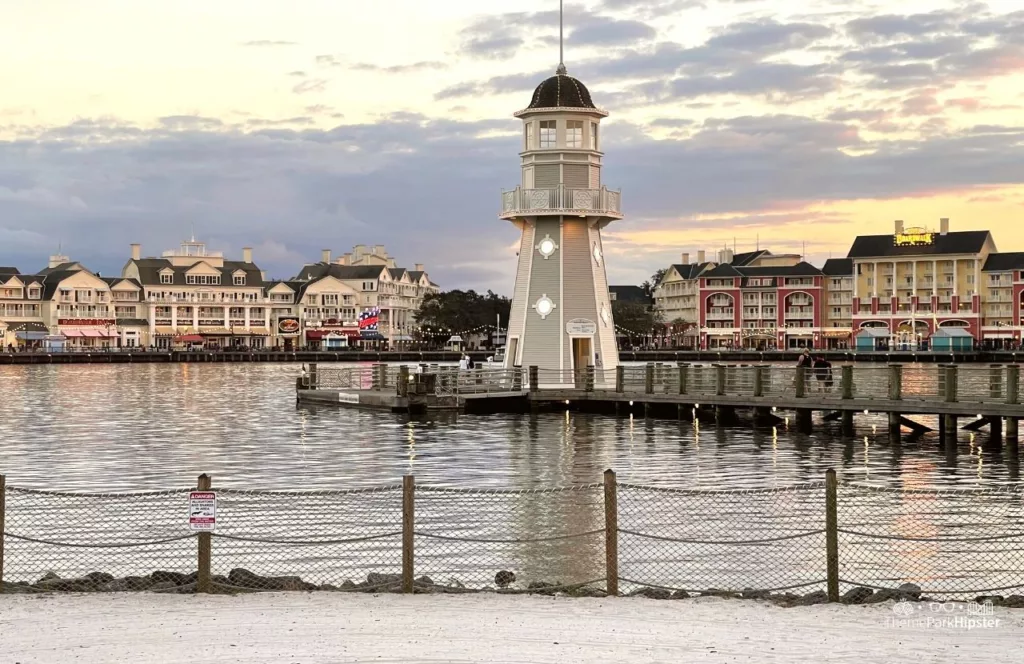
(26, 336)
(331, 338)
(837, 339)
(287, 328)
(759, 339)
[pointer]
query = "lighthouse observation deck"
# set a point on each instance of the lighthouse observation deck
(561, 200)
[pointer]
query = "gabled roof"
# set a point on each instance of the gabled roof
(150, 269)
(961, 242)
(838, 267)
(114, 281)
(1004, 262)
(722, 271)
(317, 270)
(801, 269)
(8, 271)
(63, 267)
(741, 260)
(690, 270)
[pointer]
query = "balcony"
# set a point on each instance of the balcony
(800, 313)
(561, 200)
(720, 315)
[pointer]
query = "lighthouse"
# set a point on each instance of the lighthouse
(561, 320)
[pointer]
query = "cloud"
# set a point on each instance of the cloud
(298, 74)
(415, 67)
(101, 184)
(310, 85)
(268, 42)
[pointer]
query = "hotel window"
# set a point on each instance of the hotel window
(167, 278)
(239, 280)
(547, 134)
(34, 293)
(529, 135)
(574, 134)
(593, 136)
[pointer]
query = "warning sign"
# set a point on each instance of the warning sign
(202, 510)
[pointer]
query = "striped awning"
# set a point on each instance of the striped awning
(164, 331)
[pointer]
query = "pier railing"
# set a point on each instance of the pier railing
(444, 380)
(805, 543)
(973, 384)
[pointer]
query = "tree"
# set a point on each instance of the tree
(461, 311)
(652, 283)
(635, 318)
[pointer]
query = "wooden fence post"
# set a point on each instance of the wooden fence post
(846, 381)
(800, 382)
(403, 381)
(3, 512)
(951, 384)
(408, 523)
(649, 379)
(759, 381)
(895, 382)
(1013, 384)
(611, 533)
(684, 376)
(832, 535)
(620, 379)
(203, 582)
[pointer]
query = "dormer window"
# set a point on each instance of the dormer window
(202, 279)
(574, 134)
(239, 280)
(166, 278)
(547, 134)
(35, 293)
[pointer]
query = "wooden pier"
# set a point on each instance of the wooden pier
(988, 396)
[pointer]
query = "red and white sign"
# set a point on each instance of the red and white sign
(202, 510)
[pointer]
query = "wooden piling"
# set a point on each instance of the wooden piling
(620, 379)
(720, 380)
(203, 582)
(846, 382)
(800, 382)
(1011, 433)
(847, 423)
(895, 382)
(611, 533)
(649, 379)
(313, 382)
(684, 377)
(759, 381)
(408, 537)
(403, 381)
(1013, 384)
(832, 535)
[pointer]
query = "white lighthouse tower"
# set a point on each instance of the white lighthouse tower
(561, 317)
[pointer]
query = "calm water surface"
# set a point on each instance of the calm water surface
(132, 427)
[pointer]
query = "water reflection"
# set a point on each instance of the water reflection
(129, 427)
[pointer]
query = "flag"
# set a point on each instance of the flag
(369, 318)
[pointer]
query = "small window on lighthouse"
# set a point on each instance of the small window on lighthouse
(593, 136)
(547, 134)
(529, 135)
(574, 134)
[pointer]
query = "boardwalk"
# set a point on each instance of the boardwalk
(988, 394)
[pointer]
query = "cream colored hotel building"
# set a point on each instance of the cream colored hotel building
(192, 293)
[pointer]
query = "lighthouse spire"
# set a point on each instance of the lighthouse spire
(561, 71)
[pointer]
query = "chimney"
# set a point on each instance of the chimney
(246, 254)
(378, 250)
(700, 256)
(346, 259)
(899, 226)
(944, 226)
(325, 256)
(359, 250)
(418, 267)
(686, 258)
(58, 259)
(136, 252)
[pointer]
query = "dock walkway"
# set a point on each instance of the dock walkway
(989, 394)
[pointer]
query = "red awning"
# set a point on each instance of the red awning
(189, 339)
(316, 335)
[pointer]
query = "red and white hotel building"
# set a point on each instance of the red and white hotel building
(905, 286)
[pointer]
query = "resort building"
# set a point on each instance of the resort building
(363, 283)
(895, 291)
(192, 295)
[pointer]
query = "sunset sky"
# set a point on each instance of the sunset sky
(308, 124)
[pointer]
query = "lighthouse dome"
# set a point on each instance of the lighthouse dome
(561, 91)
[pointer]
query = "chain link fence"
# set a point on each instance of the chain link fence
(585, 539)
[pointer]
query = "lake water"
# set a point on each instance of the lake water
(117, 428)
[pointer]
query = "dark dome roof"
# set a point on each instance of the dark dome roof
(561, 91)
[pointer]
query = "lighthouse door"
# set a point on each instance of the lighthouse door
(582, 357)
